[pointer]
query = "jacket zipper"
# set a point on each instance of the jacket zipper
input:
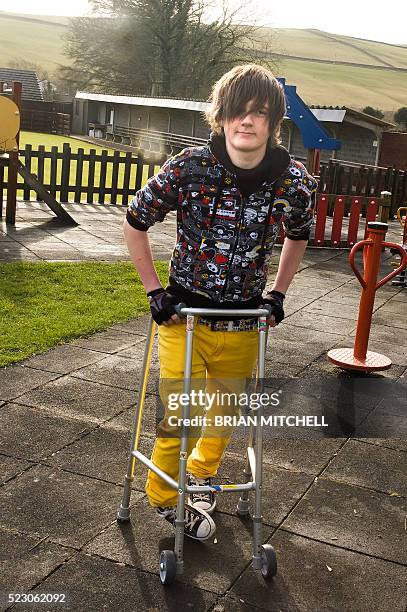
(238, 234)
(242, 205)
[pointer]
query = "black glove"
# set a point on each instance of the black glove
(275, 300)
(162, 304)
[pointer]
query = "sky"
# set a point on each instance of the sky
(358, 18)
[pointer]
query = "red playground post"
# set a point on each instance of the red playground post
(359, 358)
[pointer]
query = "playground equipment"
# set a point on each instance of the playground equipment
(401, 280)
(172, 562)
(359, 358)
(9, 125)
(9, 148)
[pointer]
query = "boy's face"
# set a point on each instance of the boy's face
(250, 131)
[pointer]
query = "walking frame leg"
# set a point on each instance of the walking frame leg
(257, 516)
(123, 512)
(243, 504)
(183, 455)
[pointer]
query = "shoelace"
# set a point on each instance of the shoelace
(205, 495)
(191, 519)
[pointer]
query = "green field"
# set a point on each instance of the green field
(343, 85)
(32, 40)
(40, 40)
(44, 304)
(52, 140)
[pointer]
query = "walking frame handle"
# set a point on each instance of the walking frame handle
(182, 310)
(383, 281)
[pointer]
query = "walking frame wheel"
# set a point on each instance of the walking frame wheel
(168, 566)
(268, 561)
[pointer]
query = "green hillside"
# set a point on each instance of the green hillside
(362, 72)
(36, 39)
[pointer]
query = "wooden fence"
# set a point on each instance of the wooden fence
(82, 177)
(115, 177)
(350, 179)
(45, 122)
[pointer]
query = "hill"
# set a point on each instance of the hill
(328, 69)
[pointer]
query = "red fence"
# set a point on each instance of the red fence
(347, 220)
(352, 179)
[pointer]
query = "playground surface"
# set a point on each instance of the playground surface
(335, 507)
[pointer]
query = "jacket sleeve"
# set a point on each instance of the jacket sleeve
(157, 198)
(299, 189)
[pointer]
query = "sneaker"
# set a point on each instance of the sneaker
(198, 524)
(203, 501)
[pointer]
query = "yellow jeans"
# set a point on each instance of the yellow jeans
(221, 362)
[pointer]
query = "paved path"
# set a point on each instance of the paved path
(335, 504)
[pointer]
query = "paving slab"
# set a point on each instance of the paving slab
(79, 399)
(25, 561)
(10, 467)
(137, 326)
(304, 582)
(62, 359)
(66, 508)
(119, 372)
(124, 421)
(362, 520)
(397, 444)
(388, 335)
(17, 379)
(298, 345)
(30, 433)
(109, 341)
(103, 455)
(92, 583)
(329, 308)
(208, 565)
(282, 489)
(320, 322)
(367, 465)
(307, 456)
(381, 423)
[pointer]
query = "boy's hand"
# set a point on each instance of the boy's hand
(275, 299)
(162, 306)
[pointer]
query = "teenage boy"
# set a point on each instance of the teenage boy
(230, 197)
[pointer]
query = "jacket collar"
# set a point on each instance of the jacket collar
(274, 164)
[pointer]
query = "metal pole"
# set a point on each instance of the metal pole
(183, 454)
(372, 266)
(123, 512)
(257, 516)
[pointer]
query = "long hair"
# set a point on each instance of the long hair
(242, 84)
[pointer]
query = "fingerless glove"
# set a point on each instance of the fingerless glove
(275, 299)
(162, 305)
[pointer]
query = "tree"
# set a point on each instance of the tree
(373, 112)
(161, 47)
(400, 117)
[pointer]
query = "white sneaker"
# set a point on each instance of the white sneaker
(198, 524)
(205, 501)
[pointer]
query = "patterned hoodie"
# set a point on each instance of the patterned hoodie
(225, 237)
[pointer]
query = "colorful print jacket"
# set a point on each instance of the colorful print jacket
(224, 240)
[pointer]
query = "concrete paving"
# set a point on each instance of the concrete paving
(334, 501)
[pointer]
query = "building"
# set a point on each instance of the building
(166, 125)
(31, 90)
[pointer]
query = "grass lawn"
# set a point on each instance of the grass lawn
(44, 304)
(35, 139)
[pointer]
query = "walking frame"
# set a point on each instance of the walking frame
(172, 562)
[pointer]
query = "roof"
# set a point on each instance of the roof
(331, 114)
(29, 79)
(331, 110)
(193, 105)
